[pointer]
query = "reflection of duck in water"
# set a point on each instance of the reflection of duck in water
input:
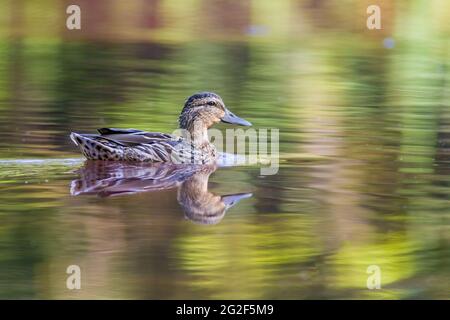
(201, 111)
(117, 178)
(202, 206)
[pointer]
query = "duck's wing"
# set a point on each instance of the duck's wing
(134, 137)
(105, 131)
(128, 144)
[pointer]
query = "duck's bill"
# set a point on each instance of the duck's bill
(231, 118)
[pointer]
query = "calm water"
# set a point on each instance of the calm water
(364, 174)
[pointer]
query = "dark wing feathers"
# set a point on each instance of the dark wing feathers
(104, 131)
(134, 137)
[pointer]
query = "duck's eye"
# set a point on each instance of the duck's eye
(211, 103)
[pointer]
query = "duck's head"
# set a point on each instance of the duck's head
(204, 109)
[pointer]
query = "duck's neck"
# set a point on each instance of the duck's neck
(197, 133)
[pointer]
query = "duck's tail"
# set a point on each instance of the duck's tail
(93, 148)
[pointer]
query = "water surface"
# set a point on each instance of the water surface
(364, 174)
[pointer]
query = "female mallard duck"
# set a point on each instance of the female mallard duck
(200, 112)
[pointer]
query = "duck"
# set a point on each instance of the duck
(200, 112)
